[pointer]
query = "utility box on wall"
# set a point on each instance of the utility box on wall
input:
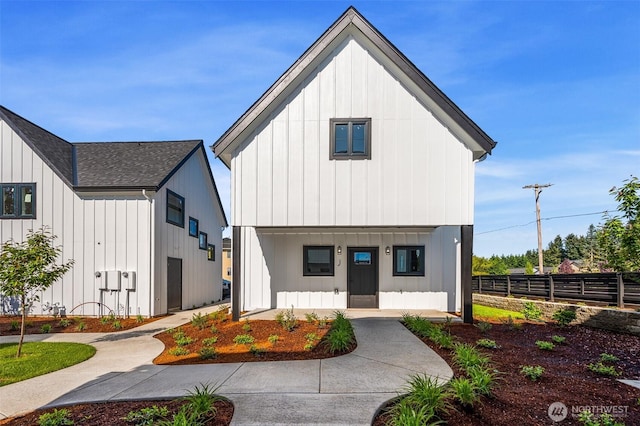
(129, 278)
(109, 280)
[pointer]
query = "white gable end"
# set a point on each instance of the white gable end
(420, 172)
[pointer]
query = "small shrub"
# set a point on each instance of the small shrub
(545, 346)
(443, 340)
(273, 339)
(112, 317)
(116, 325)
(139, 319)
(246, 327)
(486, 343)
(340, 337)
(308, 346)
(533, 372)
(15, 325)
(605, 357)
(210, 341)
(311, 317)
(604, 370)
(531, 311)
(467, 356)
(509, 322)
(200, 402)
(183, 340)
(482, 378)
(104, 320)
(323, 322)
(605, 419)
(483, 326)
(463, 391)
(257, 351)
(213, 329)
(146, 416)
(564, 317)
(207, 353)
(559, 340)
(81, 326)
(311, 337)
(423, 390)
(179, 351)
(405, 413)
(287, 319)
(243, 339)
(199, 321)
(55, 418)
(64, 322)
(46, 328)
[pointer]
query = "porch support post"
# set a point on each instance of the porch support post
(236, 277)
(466, 246)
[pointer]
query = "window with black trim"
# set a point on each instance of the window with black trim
(408, 260)
(202, 241)
(350, 138)
(318, 261)
(175, 209)
(193, 227)
(211, 252)
(17, 200)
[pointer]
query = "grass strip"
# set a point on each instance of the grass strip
(39, 358)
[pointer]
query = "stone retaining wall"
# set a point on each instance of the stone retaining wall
(625, 321)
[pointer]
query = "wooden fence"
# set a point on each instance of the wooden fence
(610, 288)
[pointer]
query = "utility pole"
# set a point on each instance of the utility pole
(537, 190)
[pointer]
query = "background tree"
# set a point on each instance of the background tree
(575, 247)
(28, 268)
(619, 236)
(528, 268)
(555, 253)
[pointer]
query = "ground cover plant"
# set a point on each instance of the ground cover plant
(488, 313)
(39, 358)
(214, 338)
(529, 379)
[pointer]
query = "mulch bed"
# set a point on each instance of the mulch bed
(10, 324)
(518, 400)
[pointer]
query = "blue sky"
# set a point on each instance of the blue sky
(557, 84)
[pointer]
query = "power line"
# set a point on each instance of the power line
(544, 218)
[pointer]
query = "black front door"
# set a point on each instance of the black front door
(362, 277)
(174, 284)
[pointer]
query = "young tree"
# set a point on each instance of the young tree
(619, 237)
(528, 268)
(29, 268)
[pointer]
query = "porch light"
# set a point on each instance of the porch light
(387, 250)
(339, 249)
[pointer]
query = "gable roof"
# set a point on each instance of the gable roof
(54, 151)
(129, 165)
(351, 22)
(108, 166)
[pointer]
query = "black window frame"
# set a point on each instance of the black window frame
(181, 198)
(305, 261)
(211, 252)
(422, 257)
(17, 206)
(202, 240)
(193, 220)
(350, 155)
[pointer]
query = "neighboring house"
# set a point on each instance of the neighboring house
(226, 259)
(142, 220)
(352, 183)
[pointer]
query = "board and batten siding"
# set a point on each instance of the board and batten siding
(272, 265)
(100, 233)
(201, 278)
(419, 174)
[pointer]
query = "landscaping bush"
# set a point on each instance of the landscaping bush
(564, 316)
(531, 311)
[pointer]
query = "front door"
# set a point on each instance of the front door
(362, 277)
(174, 284)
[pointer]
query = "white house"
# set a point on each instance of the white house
(352, 183)
(142, 220)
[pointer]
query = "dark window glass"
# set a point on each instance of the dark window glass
(193, 227)
(342, 138)
(17, 201)
(358, 138)
(175, 209)
(202, 241)
(362, 258)
(408, 260)
(318, 260)
(350, 139)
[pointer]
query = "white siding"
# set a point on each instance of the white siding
(271, 270)
(201, 278)
(420, 173)
(103, 232)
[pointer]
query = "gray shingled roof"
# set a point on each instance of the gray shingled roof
(54, 151)
(129, 165)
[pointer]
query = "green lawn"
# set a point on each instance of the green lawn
(486, 312)
(39, 358)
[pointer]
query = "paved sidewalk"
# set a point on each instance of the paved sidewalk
(345, 390)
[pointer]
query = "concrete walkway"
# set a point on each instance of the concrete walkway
(345, 390)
